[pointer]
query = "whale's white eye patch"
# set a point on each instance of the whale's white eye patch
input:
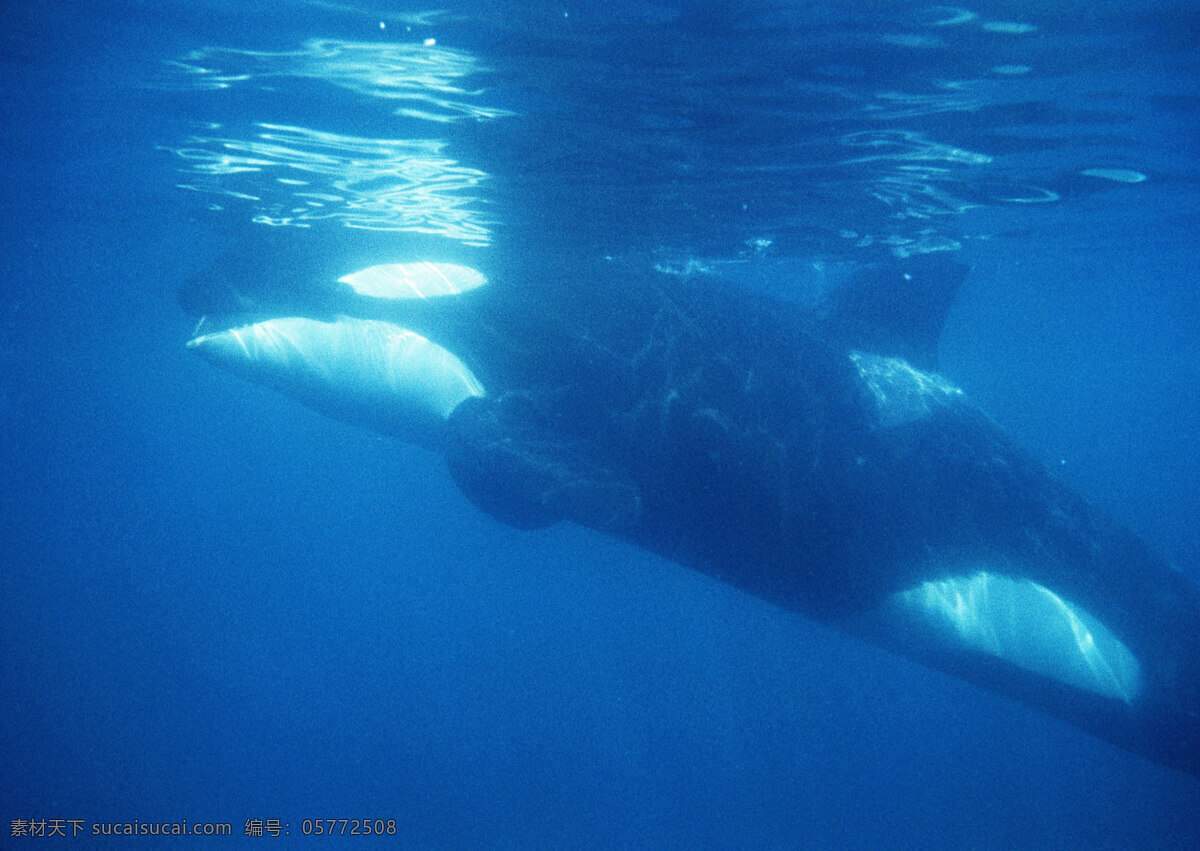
(366, 372)
(413, 280)
(1026, 624)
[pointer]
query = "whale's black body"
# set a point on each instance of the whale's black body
(795, 452)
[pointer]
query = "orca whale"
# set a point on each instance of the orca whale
(808, 454)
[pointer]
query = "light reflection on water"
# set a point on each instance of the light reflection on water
(295, 176)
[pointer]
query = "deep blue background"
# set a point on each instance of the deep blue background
(215, 605)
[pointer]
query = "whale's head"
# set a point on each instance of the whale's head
(368, 372)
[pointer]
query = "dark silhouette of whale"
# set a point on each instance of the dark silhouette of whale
(806, 454)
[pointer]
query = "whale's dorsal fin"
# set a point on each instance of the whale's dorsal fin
(895, 310)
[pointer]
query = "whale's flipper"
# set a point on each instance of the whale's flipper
(522, 472)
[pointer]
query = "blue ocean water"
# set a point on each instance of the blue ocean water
(218, 606)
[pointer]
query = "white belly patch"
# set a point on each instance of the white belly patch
(1026, 624)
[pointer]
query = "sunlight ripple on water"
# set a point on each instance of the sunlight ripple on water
(397, 184)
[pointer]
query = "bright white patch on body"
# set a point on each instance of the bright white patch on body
(413, 280)
(902, 393)
(1030, 626)
(365, 372)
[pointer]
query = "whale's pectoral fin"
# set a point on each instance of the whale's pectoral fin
(521, 473)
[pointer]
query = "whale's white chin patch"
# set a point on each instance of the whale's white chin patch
(365, 372)
(1026, 624)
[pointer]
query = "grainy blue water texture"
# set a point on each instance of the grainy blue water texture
(218, 606)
